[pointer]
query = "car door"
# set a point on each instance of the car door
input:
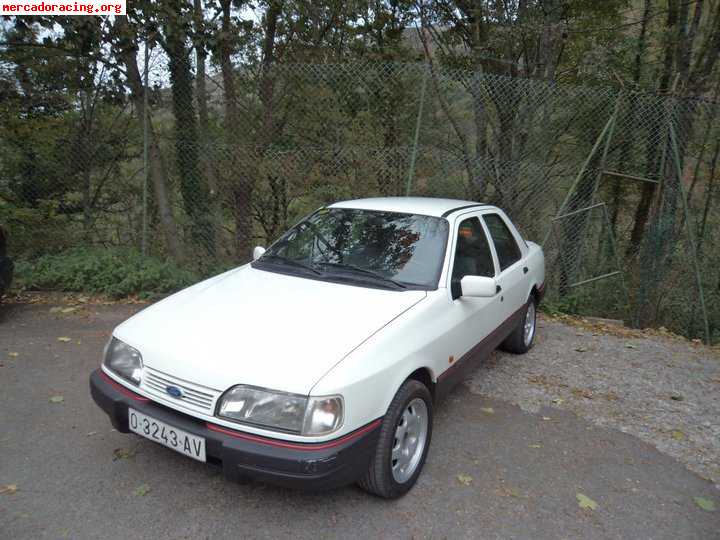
(473, 319)
(513, 273)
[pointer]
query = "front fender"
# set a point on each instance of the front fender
(370, 376)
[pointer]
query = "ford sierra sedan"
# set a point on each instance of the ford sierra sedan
(319, 363)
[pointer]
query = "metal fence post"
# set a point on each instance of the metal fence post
(578, 177)
(143, 244)
(418, 122)
(690, 233)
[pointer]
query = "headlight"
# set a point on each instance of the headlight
(323, 415)
(124, 360)
(282, 411)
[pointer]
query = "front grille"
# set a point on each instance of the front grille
(196, 397)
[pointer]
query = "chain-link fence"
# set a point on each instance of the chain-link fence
(619, 186)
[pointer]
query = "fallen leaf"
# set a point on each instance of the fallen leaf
(65, 339)
(142, 490)
(91, 433)
(677, 397)
(557, 401)
(677, 435)
(488, 410)
(10, 489)
(122, 453)
(464, 479)
(706, 504)
(13, 354)
(56, 309)
(508, 492)
(546, 418)
(534, 445)
(68, 310)
(57, 399)
(630, 346)
(581, 349)
(586, 502)
(582, 393)
(538, 379)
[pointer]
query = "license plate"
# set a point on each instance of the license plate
(167, 435)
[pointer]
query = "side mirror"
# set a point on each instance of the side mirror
(478, 286)
(258, 252)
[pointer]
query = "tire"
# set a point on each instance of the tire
(517, 342)
(385, 477)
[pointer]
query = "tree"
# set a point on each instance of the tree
(62, 106)
(689, 56)
(124, 39)
(170, 24)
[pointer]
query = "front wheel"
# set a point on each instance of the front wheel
(403, 444)
(523, 336)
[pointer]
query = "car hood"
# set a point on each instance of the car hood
(255, 327)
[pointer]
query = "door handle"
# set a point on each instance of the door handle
(525, 270)
(498, 288)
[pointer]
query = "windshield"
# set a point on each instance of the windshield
(405, 250)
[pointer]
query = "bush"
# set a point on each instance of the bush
(114, 272)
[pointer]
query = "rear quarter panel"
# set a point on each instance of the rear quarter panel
(536, 264)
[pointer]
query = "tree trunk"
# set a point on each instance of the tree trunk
(479, 114)
(642, 211)
(208, 158)
(194, 192)
(709, 194)
(201, 60)
(128, 56)
(628, 137)
(240, 161)
(267, 82)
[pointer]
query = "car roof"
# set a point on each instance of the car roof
(427, 206)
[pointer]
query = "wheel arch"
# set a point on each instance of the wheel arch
(537, 291)
(424, 375)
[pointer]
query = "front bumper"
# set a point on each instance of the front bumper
(314, 466)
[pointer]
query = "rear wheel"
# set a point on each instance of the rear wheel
(403, 444)
(522, 338)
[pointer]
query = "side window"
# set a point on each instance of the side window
(507, 249)
(472, 254)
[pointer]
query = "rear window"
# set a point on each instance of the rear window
(508, 251)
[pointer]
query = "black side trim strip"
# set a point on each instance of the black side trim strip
(447, 213)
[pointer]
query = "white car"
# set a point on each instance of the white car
(318, 364)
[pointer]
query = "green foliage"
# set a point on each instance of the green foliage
(114, 272)
(602, 297)
(36, 230)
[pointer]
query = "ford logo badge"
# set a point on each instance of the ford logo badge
(174, 391)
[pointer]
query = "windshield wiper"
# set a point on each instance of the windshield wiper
(289, 262)
(363, 271)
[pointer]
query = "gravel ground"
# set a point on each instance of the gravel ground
(664, 390)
